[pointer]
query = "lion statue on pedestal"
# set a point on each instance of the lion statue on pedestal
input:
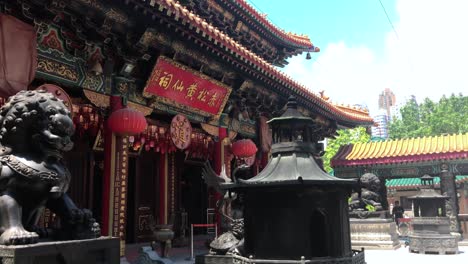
(35, 129)
(368, 198)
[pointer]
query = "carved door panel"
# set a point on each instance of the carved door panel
(80, 164)
(146, 196)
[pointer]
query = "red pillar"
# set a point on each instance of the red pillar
(163, 189)
(115, 104)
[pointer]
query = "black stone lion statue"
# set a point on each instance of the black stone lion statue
(368, 198)
(35, 129)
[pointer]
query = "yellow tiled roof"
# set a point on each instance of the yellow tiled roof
(409, 147)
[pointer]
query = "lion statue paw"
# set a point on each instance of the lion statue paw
(18, 236)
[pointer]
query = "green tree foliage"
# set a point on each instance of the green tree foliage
(344, 137)
(448, 116)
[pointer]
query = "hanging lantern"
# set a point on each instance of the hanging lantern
(127, 121)
(244, 148)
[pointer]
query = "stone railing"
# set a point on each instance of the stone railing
(356, 258)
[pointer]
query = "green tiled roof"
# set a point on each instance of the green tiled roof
(409, 183)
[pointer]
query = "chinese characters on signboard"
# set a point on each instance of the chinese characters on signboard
(178, 85)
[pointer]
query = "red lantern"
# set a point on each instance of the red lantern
(244, 148)
(127, 121)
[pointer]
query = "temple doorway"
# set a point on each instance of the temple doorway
(194, 195)
(143, 197)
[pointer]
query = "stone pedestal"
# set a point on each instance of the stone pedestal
(374, 233)
(102, 250)
(433, 244)
(432, 235)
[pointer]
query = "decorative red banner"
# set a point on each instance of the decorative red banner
(178, 85)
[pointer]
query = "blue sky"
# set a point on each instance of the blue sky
(361, 54)
(360, 22)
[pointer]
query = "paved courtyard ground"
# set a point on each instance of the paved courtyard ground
(399, 256)
(402, 256)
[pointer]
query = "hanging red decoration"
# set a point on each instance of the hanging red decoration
(127, 121)
(18, 55)
(244, 148)
(86, 119)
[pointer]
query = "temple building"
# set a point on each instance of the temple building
(203, 73)
(400, 163)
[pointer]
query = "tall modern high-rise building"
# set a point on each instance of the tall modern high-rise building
(386, 100)
(381, 120)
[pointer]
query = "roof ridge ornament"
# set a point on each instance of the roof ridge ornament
(292, 103)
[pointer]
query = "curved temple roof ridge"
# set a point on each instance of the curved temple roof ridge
(342, 116)
(444, 147)
(302, 40)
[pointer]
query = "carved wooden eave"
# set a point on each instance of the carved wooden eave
(91, 31)
(102, 101)
(250, 28)
(141, 108)
(234, 126)
(97, 99)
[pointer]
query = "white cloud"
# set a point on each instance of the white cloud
(429, 58)
(347, 74)
(433, 54)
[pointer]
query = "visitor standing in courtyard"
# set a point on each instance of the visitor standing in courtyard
(397, 212)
